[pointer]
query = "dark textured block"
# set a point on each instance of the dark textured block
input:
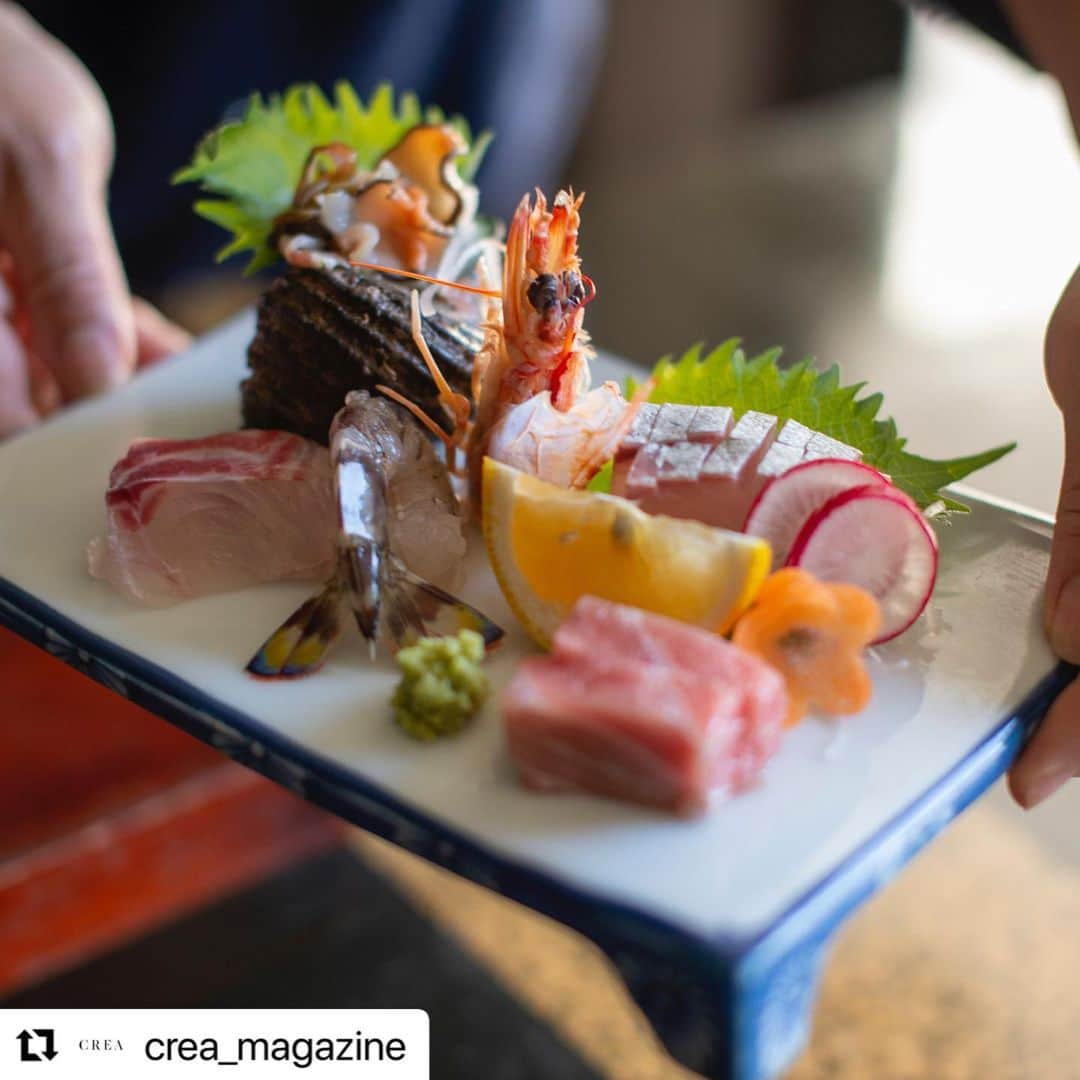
(321, 334)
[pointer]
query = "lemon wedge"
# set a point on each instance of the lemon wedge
(549, 546)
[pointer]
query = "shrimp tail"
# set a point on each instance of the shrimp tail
(362, 570)
(402, 605)
(414, 608)
(302, 643)
(393, 605)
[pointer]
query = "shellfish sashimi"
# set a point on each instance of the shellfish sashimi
(638, 707)
(689, 462)
(326, 327)
(190, 517)
(401, 213)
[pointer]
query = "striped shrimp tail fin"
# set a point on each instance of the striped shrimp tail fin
(302, 643)
(414, 608)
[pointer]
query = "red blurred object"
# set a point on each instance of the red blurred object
(111, 821)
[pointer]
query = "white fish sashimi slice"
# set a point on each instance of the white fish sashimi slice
(876, 538)
(191, 517)
(787, 501)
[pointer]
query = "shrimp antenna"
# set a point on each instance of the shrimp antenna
(426, 277)
(415, 409)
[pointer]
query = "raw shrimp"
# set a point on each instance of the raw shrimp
(541, 344)
(564, 447)
(393, 491)
(398, 520)
(531, 403)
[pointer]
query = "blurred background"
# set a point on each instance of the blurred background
(839, 178)
(895, 194)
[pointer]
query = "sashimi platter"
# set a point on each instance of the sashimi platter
(691, 659)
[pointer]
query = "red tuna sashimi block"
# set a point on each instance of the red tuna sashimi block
(188, 517)
(641, 637)
(639, 707)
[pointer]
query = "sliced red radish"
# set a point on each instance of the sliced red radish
(787, 501)
(876, 538)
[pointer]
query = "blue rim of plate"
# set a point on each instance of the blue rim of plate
(347, 794)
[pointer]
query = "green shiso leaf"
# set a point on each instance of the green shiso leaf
(602, 480)
(818, 399)
(253, 165)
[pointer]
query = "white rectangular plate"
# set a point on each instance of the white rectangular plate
(944, 689)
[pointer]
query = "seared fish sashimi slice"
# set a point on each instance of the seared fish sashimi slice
(691, 463)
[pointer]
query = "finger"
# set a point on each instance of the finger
(56, 227)
(155, 336)
(1062, 605)
(44, 389)
(16, 409)
(1053, 755)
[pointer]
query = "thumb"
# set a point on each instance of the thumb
(57, 228)
(1062, 610)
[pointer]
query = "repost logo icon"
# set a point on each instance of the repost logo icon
(37, 1045)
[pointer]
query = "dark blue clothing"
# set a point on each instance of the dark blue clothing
(521, 67)
(170, 71)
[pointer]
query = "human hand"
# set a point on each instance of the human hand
(68, 326)
(1053, 755)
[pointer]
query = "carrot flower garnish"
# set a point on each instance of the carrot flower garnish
(814, 633)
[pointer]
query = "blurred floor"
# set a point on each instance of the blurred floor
(327, 933)
(965, 968)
